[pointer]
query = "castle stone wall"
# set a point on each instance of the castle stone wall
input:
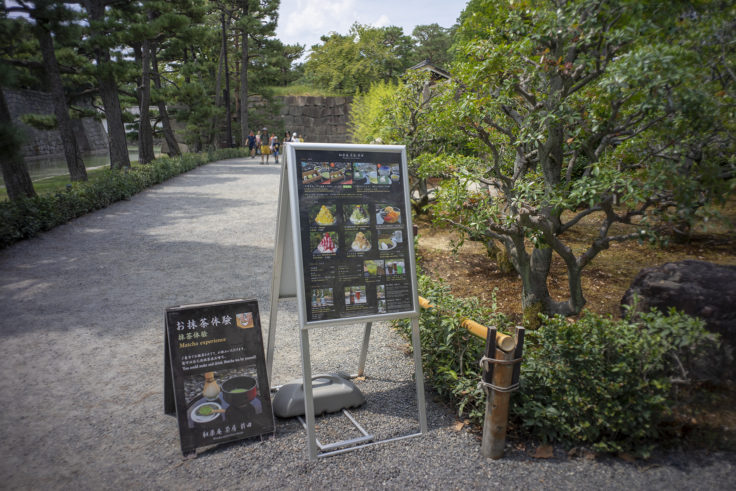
(317, 119)
(90, 134)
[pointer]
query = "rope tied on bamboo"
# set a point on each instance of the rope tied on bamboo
(489, 386)
(495, 361)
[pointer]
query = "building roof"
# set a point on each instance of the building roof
(436, 71)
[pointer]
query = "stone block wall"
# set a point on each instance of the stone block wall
(90, 134)
(317, 119)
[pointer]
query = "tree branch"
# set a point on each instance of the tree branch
(585, 80)
(498, 127)
(572, 222)
(570, 166)
(532, 62)
(511, 113)
(493, 231)
(37, 65)
(528, 96)
(486, 138)
(18, 9)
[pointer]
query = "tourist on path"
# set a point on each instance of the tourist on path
(252, 144)
(275, 146)
(265, 146)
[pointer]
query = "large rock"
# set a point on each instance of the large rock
(698, 288)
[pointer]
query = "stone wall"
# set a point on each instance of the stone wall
(90, 134)
(317, 119)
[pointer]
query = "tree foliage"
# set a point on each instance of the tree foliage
(399, 114)
(350, 63)
(136, 61)
(595, 110)
(433, 43)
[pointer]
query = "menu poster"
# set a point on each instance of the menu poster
(353, 222)
(218, 372)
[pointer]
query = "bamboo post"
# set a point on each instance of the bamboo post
(496, 417)
(504, 341)
(501, 370)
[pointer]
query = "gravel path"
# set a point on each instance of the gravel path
(81, 324)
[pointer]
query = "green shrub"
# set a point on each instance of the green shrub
(604, 382)
(25, 218)
(450, 353)
(596, 381)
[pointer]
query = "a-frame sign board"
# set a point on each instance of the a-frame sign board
(345, 250)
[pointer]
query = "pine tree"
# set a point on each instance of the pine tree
(256, 23)
(99, 37)
(49, 16)
(18, 182)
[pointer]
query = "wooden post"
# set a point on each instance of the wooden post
(496, 417)
(503, 373)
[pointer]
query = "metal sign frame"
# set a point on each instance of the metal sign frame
(288, 282)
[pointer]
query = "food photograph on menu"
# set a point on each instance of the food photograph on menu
(324, 215)
(359, 240)
(324, 243)
(357, 215)
(387, 214)
(353, 225)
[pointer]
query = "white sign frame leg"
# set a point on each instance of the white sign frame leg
(312, 445)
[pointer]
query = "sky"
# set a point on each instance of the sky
(304, 21)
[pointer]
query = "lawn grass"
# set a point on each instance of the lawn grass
(51, 185)
(304, 90)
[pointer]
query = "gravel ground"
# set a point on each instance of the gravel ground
(82, 361)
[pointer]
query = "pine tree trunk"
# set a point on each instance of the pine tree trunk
(117, 139)
(215, 139)
(18, 182)
(244, 91)
(116, 136)
(236, 94)
(171, 142)
(145, 132)
(77, 171)
(226, 98)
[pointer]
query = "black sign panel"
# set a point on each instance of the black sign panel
(216, 373)
(354, 243)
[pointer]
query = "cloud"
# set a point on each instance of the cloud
(304, 21)
(382, 21)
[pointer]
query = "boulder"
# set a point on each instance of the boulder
(698, 288)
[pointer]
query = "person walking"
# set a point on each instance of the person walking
(252, 144)
(265, 146)
(275, 147)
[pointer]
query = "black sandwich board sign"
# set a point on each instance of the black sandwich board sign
(215, 376)
(345, 249)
